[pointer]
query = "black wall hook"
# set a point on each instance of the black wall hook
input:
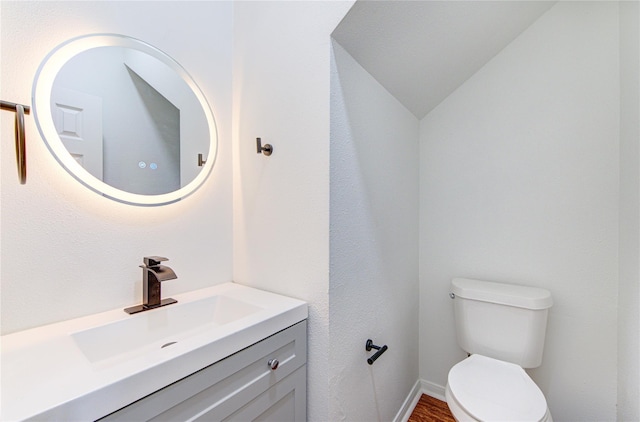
(380, 351)
(267, 149)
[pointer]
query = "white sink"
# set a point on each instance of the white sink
(86, 368)
(158, 328)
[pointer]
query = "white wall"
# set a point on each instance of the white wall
(373, 245)
(281, 202)
(67, 251)
(520, 182)
(629, 264)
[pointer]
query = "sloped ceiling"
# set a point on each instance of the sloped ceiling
(421, 51)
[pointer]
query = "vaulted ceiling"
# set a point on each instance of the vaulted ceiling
(421, 51)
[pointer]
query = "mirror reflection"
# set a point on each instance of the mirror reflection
(127, 115)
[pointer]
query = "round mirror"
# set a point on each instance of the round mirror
(125, 119)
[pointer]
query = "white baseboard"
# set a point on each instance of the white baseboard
(420, 387)
(433, 390)
(409, 403)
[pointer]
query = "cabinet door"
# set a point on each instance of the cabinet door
(284, 402)
(221, 389)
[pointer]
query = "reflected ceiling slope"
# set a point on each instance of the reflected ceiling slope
(421, 51)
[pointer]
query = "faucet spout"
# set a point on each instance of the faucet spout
(153, 274)
(161, 272)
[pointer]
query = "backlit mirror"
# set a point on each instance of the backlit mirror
(125, 119)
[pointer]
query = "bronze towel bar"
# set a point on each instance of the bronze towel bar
(21, 152)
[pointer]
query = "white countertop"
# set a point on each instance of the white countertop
(45, 375)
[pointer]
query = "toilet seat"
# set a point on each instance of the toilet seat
(488, 389)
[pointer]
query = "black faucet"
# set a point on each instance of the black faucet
(152, 275)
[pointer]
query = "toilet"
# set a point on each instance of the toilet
(502, 327)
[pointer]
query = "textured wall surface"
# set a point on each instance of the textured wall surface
(629, 264)
(281, 202)
(374, 245)
(520, 182)
(67, 251)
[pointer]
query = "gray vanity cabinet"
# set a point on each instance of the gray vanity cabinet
(241, 387)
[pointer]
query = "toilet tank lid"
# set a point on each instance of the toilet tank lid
(502, 293)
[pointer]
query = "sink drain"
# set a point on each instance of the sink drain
(168, 344)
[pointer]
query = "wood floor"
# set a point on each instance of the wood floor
(430, 409)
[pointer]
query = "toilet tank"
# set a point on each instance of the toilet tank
(502, 321)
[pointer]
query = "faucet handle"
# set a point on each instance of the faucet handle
(154, 261)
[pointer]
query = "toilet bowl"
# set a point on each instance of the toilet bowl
(485, 389)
